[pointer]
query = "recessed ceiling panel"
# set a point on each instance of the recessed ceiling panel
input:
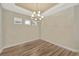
(36, 6)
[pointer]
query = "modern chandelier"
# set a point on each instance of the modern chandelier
(36, 15)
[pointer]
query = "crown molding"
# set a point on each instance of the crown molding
(58, 8)
(14, 8)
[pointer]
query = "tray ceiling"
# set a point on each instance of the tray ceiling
(36, 6)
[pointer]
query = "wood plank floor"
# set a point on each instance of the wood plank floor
(37, 48)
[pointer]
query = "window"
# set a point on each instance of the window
(17, 20)
(27, 22)
(30, 22)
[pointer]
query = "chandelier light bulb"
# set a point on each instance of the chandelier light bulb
(42, 16)
(38, 12)
(39, 18)
(35, 18)
(34, 12)
(32, 15)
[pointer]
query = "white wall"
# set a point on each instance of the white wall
(16, 33)
(76, 27)
(0, 27)
(59, 29)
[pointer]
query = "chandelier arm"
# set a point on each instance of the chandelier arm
(36, 15)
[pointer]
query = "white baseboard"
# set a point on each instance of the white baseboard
(17, 44)
(71, 49)
(60, 45)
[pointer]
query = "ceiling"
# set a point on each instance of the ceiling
(36, 6)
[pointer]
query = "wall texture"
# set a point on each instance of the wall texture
(0, 27)
(76, 27)
(17, 33)
(59, 29)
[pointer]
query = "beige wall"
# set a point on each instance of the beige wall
(58, 29)
(0, 27)
(76, 26)
(15, 34)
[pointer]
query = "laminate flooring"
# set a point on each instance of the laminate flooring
(37, 48)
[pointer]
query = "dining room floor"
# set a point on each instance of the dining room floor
(37, 48)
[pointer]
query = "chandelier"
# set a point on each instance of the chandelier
(36, 16)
